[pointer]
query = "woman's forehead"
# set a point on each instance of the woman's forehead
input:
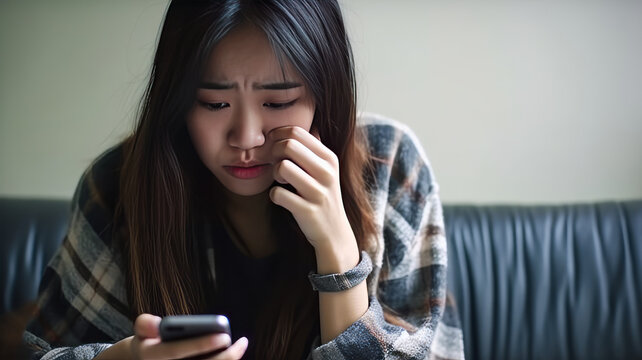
(245, 54)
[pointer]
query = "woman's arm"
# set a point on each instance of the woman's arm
(304, 162)
(339, 310)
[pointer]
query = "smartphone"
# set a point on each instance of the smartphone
(187, 326)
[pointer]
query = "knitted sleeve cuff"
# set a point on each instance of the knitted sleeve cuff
(345, 281)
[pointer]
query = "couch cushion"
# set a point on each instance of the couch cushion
(31, 230)
(548, 282)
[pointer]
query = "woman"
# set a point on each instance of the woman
(247, 189)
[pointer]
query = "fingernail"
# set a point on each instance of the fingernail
(244, 341)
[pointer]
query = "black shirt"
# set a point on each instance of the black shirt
(243, 284)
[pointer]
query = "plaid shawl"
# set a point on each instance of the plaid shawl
(82, 298)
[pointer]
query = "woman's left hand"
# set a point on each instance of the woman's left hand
(304, 162)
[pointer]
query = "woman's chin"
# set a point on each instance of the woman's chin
(248, 187)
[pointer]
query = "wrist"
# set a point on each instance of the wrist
(333, 260)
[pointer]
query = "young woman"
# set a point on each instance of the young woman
(248, 189)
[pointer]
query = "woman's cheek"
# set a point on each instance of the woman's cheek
(300, 116)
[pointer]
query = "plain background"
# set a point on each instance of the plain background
(513, 101)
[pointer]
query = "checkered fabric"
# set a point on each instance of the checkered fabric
(83, 303)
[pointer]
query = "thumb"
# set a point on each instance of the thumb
(146, 326)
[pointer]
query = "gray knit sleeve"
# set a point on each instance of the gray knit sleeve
(37, 348)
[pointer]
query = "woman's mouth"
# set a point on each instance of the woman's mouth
(249, 172)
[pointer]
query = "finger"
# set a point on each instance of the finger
(287, 172)
(308, 140)
(305, 158)
(235, 351)
(276, 173)
(146, 326)
(289, 200)
(184, 348)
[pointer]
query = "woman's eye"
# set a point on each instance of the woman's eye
(279, 106)
(214, 106)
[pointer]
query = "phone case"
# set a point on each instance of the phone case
(187, 326)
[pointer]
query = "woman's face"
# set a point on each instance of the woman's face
(242, 97)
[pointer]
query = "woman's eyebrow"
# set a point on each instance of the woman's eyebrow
(216, 85)
(278, 86)
(267, 86)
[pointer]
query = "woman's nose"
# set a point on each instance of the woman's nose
(246, 131)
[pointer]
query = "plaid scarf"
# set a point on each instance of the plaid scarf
(83, 302)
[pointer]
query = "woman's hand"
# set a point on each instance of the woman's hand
(146, 344)
(304, 162)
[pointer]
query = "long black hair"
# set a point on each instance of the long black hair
(161, 198)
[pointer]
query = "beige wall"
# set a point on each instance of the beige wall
(514, 101)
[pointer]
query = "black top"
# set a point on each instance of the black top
(243, 285)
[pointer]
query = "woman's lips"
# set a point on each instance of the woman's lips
(249, 172)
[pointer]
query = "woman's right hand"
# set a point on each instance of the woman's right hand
(146, 344)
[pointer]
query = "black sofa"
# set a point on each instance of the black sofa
(531, 282)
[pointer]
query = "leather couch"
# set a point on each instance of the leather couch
(531, 282)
